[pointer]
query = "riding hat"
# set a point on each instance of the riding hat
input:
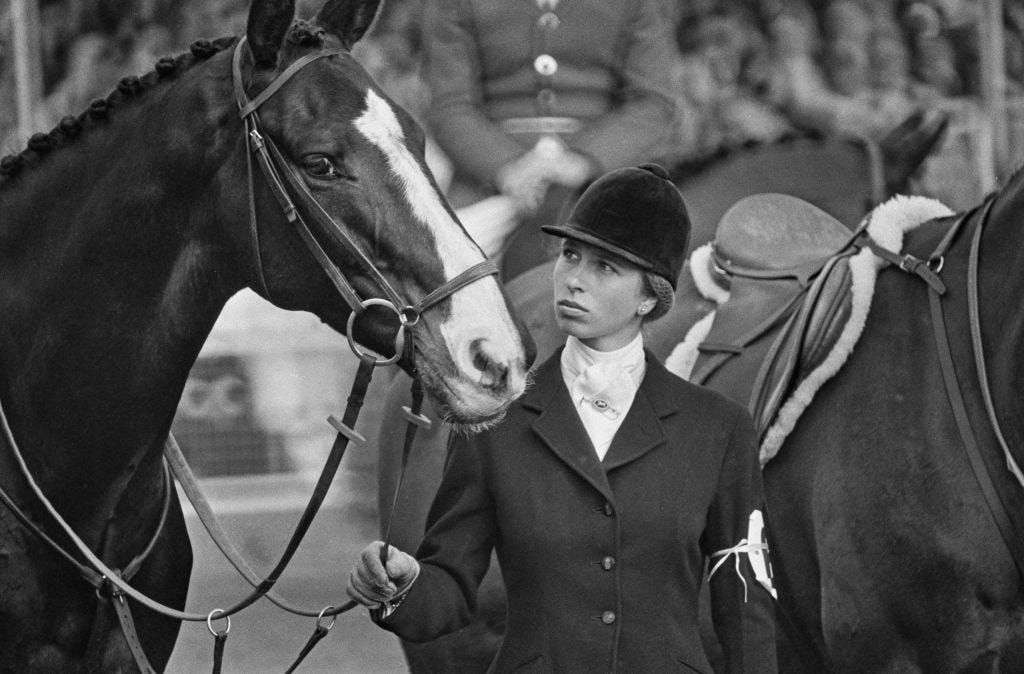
(635, 213)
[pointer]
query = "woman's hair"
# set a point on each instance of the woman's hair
(659, 288)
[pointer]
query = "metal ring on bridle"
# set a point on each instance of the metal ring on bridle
(936, 264)
(399, 336)
(209, 623)
(320, 618)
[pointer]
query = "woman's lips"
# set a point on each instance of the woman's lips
(571, 308)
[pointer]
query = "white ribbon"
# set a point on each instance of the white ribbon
(743, 547)
(756, 550)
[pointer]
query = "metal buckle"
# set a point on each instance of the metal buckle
(909, 263)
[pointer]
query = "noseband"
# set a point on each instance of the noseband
(288, 189)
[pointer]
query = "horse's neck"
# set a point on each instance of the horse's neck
(111, 283)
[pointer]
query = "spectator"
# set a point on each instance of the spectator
(721, 79)
(532, 101)
(864, 89)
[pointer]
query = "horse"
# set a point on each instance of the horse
(895, 515)
(843, 176)
(270, 161)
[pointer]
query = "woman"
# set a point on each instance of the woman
(607, 487)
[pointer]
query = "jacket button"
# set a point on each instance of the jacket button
(549, 21)
(608, 509)
(608, 563)
(608, 617)
(546, 65)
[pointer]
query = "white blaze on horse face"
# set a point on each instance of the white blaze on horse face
(478, 312)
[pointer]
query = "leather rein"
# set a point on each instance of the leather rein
(996, 505)
(288, 189)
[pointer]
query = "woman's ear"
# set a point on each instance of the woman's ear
(646, 305)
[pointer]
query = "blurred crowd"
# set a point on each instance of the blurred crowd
(746, 70)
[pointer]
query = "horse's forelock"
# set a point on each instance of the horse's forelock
(304, 33)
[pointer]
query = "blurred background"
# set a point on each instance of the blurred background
(257, 405)
(252, 419)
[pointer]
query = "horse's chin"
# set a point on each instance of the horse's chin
(468, 406)
(465, 428)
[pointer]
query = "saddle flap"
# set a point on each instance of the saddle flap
(777, 232)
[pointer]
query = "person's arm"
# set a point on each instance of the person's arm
(437, 595)
(741, 605)
(637, 128)
(453, 72)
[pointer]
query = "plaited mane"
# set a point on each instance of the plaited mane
(41, 145)
(302, 33)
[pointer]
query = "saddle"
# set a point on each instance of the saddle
(789, 300)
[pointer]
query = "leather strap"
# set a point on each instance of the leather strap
(974, 312)
(224, 542)
(244, 110)
(219, 641)
(981, 473)
(87, 573)
(319, 632)
(131, 635)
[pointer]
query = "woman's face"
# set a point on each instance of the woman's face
(598, 296)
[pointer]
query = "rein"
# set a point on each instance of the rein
(996, 506)
(287, 191)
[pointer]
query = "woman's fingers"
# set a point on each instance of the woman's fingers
(370, 584)
(355, 591)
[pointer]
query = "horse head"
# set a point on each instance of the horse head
(353, 163)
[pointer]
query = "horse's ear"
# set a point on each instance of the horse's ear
(347, 20)
(269, 20)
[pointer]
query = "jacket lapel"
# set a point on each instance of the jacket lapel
(641, 430)
(559, 426)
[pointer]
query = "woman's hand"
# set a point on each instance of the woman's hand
(371, 585)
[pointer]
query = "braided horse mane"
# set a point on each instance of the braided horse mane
(129, 90)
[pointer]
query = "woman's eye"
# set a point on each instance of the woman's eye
(320, 167)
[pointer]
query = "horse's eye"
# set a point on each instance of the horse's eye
(320, 166)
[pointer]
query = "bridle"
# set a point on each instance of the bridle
(289, 190)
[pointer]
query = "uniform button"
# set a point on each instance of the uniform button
(608, 509)
(545, 97)
(549, 21)
(608, 563)
(545, 64)
(608, 617)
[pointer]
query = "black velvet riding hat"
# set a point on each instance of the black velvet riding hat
(636, 213)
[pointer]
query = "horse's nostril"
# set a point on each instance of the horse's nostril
(493, 372)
